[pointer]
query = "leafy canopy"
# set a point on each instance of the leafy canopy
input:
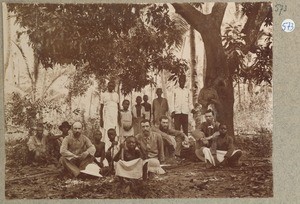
(124, 41)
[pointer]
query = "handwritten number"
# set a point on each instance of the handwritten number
(280, 8)
(288, 26)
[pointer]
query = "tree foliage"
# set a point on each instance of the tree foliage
(22, 111)
(126, 41)
(261, 69)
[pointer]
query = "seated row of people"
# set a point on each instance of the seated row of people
(213, 145)
(77, 150)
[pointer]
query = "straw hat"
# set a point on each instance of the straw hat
(92, 169)
(64, 124)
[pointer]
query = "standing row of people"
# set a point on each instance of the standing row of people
(128, 121)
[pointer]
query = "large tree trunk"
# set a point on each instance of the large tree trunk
(194, 83)
(193, 65)
(35, 76)
(209, 26)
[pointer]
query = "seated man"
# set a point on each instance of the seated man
(151, 145)
(38, 146)
(172, 138)
(222, 151)
(56, 140)
(77, 151)
(207, 129)
(64, 128)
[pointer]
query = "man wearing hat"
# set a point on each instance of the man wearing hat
(56, 140)
(77, 151)
(64, 128)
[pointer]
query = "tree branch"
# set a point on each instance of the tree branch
(253, 24)
(218, 12)
(25, 59)
(192, 16)
(53, 80)
(7, 59)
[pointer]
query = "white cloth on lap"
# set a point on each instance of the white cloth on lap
(130, 169)
(220, 155)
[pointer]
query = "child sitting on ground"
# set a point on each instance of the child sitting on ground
(111, 152)
(130, 164)
(129, 150)
(100, 148)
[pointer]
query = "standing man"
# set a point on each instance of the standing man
(109, 110)
(160, 107)
(182, 106)
(147, 107)
(151, 145)
(77, 150)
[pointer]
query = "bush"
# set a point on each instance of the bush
(16, 152)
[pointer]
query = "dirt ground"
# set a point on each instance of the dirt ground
(189, 179)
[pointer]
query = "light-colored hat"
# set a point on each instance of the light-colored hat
(92, 169)
(185, 144)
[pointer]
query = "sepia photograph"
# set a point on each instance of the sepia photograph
(138, 101)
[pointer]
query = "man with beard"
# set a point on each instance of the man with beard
(77, 150)
(222, 151)
(203, 136)
(151, 145)
(172, 138)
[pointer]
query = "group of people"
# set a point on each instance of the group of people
(145, 137)
(126, 121)
(77, 151)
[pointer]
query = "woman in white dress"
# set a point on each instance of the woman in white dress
(109, 112)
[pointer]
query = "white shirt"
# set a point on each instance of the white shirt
(110, 99)
(182, 101)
